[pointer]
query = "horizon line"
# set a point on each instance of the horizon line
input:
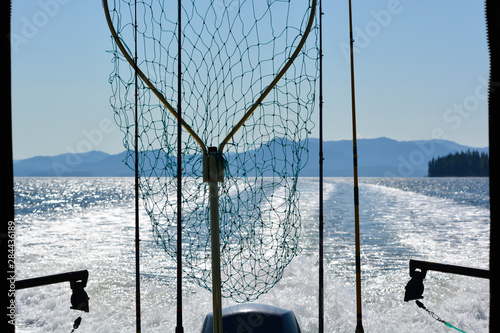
(336, 140)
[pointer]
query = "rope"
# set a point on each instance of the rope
(436, 317)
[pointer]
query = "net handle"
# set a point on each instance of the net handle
(275, 81)
(145, 79)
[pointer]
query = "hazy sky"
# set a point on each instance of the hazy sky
(421, 72)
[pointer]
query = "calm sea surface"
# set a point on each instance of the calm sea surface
(68, 224)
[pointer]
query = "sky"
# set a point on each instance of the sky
(421, 72)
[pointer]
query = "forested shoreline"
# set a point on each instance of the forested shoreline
(463, 164)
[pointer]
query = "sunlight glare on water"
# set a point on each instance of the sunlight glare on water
(88, 223)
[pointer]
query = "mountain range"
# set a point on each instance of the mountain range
(380, 157)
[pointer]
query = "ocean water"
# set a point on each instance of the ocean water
(68, 224)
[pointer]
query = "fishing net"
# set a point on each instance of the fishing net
(232, 99)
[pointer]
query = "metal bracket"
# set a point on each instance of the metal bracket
(213, 159)
(418, 270)
(77, 280)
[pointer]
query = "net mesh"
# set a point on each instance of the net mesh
(231, 52)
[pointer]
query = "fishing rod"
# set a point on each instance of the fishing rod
(179, 328)
(359, 316)
(321, 310)
(136, 177)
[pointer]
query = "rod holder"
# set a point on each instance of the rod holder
(418, 271)
(77, 280)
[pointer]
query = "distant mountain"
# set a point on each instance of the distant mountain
(91, 164)
(380, 157)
